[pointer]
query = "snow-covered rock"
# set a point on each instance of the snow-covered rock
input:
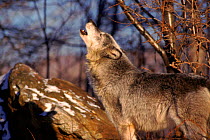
(32, 107)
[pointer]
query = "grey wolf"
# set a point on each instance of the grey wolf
(137, 101)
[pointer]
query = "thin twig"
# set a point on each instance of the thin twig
(146, 12)
(31, 134)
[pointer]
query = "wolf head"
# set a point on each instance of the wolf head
(105, 58)
(99, 44)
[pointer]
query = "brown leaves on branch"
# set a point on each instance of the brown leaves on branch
(182, 29)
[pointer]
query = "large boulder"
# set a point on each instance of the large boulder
(34, 108)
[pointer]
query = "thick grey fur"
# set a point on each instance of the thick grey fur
(137, 101)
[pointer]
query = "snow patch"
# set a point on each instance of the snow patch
(34, 90)
(32, 73)
(70, 98)
(92, 104)
(16, 90)
(27, 100)
(64, 105)
(77, 96)
(91, 98)
(83, 115)
(48, 109)
(72, 92)
(45, 81)
(98, 119)
(51, 88)
(34, 96)
(71, 112)
(80, 109)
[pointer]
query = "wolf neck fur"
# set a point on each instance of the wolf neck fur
(108, 72)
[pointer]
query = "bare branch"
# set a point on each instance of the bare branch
(46, 39)
(145, 33)
(147, 12)
(168, 26)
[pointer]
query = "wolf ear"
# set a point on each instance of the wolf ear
(112, 53)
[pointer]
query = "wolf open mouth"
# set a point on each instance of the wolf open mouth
(83, 32)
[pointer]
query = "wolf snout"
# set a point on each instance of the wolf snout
(91, 22)
(92, 29)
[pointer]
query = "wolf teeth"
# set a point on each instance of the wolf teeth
(83, 32)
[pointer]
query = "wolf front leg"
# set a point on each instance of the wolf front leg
(127, 131)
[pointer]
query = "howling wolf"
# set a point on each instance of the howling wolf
(136, 101)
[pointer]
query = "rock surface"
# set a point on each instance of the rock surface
(34, 108)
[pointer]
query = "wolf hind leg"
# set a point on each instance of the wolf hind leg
(194, 128)
(194, 131)
(127, 132)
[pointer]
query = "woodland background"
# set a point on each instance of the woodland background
(158, 35)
